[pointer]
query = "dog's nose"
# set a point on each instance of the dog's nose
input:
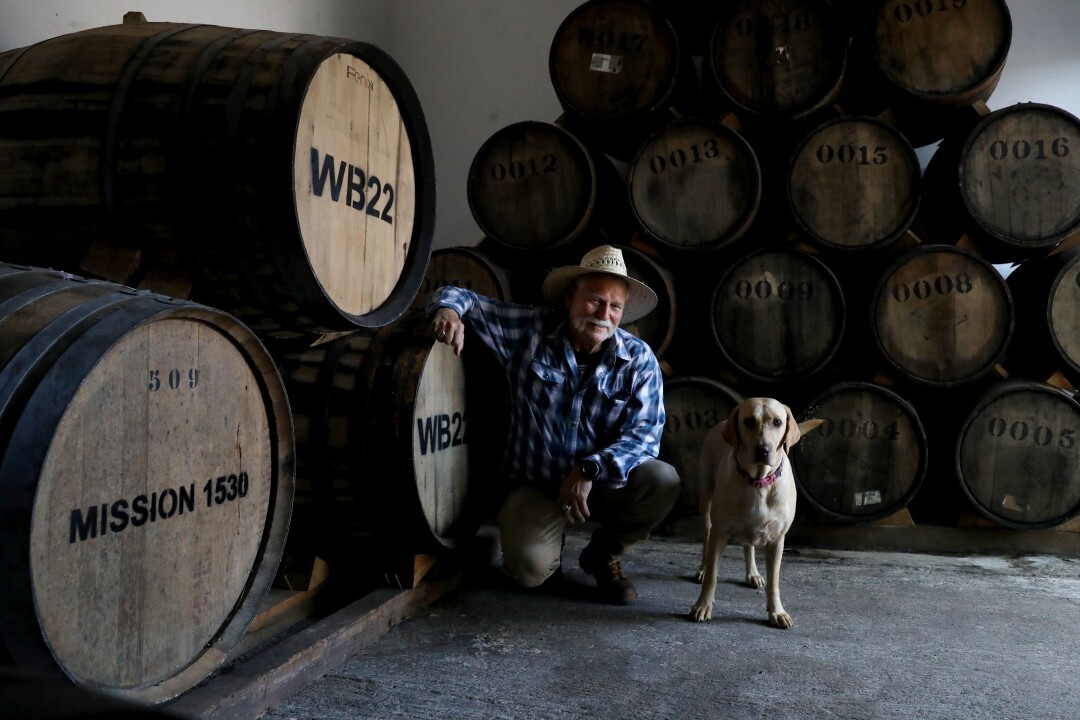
(764, 452)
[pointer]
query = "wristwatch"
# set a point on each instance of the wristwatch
(590, 469)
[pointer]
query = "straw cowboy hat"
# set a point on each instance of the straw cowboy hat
(640, 300)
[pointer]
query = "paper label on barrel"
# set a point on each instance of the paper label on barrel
(354, 182)
(870, 497)
(606, 63)
(151, 505)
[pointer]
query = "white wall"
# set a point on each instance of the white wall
(1044, 59)
(23, 22)
(479, 65)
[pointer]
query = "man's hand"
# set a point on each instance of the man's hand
(449, 329)
(573, 494)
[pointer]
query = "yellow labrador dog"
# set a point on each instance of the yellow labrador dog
(747, 495)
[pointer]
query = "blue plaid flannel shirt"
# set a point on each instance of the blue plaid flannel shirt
(615, 416)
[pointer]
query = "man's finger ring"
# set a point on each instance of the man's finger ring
(441, 334)
(566, 508)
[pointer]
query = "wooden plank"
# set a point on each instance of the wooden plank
(1068, 243)
(1060, 381)
(267, 679)
(900, 518)
(935, 539)
(281, 610)
(422, 565)
(1070, 526)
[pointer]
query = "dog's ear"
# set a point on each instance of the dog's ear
(793, 431)
(797, 430)
(731, 429)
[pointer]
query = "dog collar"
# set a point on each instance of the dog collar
(765, 481)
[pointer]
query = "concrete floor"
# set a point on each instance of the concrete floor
(877, 635)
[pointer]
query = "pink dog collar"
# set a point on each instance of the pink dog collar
(768, 479)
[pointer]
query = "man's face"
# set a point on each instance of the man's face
(596, 308)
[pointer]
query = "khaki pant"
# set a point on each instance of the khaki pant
(531, 524)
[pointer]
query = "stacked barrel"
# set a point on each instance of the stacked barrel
(768, 164)
(220, 378)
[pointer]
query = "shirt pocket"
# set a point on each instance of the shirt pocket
(615, 393)
(544, 384)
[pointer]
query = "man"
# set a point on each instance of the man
(587, 413)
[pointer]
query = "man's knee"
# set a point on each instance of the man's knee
(660, 479)
(529, 566)
(531, 534)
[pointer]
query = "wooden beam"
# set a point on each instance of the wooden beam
(266, 679)
(934, 539)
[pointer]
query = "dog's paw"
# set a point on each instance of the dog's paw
(755, 581)
(701, 612)
(781, 620)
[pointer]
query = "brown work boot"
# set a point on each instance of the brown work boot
(611, 585)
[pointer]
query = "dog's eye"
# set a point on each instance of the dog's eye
(748, 422)
(776, 423)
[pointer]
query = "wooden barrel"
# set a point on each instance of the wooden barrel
(854, 184)
(382, 442)
(487, 392)
(146, 481)
(617, 66)
(777, 59)
(694, 405)
(464, 267)
(927, 61)
(1017, 455)
(533, 185)
(288, 176)
(683, 163)
(867, 460)
(657, 327)
(1019, 178)
(850, 16)
(941, 316)
(778, 314)
(694, 21)
(940, 52)
(1046, 292)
